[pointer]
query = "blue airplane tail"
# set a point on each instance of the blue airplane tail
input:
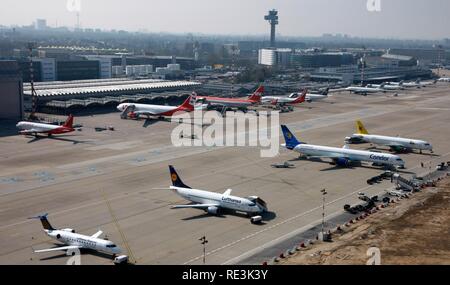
(45, 223)
(176, 180)
(291, 140)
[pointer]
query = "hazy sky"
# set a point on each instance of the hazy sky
(425, 19)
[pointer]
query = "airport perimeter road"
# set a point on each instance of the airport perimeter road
(70, 176)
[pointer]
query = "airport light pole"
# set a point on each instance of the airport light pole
(324, 193)
(204, 242)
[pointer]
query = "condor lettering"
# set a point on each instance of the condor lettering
(379, 157)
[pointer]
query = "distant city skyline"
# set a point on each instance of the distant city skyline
(398, 19)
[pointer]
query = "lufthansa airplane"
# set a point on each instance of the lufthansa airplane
(213, 203)
(72, 240)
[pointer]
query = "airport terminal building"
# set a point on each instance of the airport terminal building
(11, 98)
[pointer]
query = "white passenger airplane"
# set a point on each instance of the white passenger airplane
(292, 99)
(388, 87)
(364, 90)
(396, 144)
(309, 97)
(73, 240)
(428, 83)
(32, 128)
(412, 84)
(444, 79)
(213, 203)
(133, 110)
(340, 156)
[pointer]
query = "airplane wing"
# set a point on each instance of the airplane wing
(97, 234)
(58, 248)
(31, 131)
(195, 206)
(395, 145)
(333, 156)
(144, 113)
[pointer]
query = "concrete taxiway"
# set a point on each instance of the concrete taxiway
(70, 176)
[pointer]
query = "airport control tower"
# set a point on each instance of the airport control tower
(272, 17)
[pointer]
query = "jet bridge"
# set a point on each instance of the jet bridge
(404, 183)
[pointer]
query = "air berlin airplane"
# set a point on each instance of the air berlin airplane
(254, 99)
(32, 128)
(135, 110)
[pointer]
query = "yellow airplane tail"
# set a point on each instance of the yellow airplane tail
(360, 128)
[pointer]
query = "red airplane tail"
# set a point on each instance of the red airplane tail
(301, 98)
(69, 122)
(187, 105)
(257, 95)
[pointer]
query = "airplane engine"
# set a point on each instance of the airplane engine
(58, 236)
(69, 230)
(309, 100)
(342, 162)
(213, 210)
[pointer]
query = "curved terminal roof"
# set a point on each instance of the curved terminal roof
(94, 88)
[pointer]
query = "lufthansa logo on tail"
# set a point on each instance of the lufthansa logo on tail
(289, 135)
(174, 177)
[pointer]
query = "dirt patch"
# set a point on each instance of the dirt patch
(413, 231)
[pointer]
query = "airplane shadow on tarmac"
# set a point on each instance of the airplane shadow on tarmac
(64, 139)
(267, 216)
(403, 152)
(82, 252)
(355, 166)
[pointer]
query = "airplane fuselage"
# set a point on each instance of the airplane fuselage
(153, 110)
(34, 128)
(291, 98)
(228, 102)
(363, 90)
(386, 140)
(83, 241)
(387, 87)
(224, 201)
(351, 154)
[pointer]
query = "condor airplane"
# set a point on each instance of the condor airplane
(396, 144)
(213, 203)
(340, 156)
(32, 128)
(73, 240)
(239, 103)
(132, 110)
(289, 100)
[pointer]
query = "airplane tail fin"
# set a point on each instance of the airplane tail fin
(326, 91)
(301, 98)
(69, 122)
(360, 128)
(257, 95)
(176, 180)
(187, 105)
(45, 223)
(291, 140)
